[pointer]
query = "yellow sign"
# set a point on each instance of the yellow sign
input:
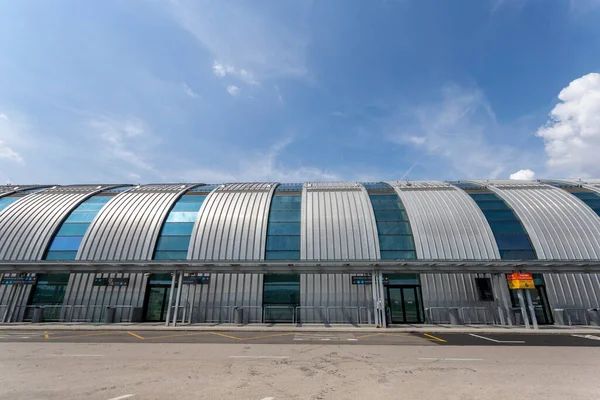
(520, 280)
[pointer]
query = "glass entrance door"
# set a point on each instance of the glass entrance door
(158, 298)
(541, 306)
(404, 303)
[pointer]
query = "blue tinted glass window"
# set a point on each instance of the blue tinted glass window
(483, 196)
(283, 228)
(81, 216)
(70, 229)
(593, 203)
(286, 199)
(191, 199)
(398, 255)
(384, 197)
(61, 255)
(506, 227)
(98, 200)
(517, 255)
(187, 207)
(285, 206)
(90, 207)
(393, 228)
(499, 215)
(492, 204)
(170, 255)
(396, 243)
(282, 255)
(182, 216)
(289, 187)
(587, 196)
(283, 242)
(512, 242)
(386, 205)
(173, 243)
(293, 216)
(177, 228)
(390, 215)
(66, 243)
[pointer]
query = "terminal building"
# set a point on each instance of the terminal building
(401, 252)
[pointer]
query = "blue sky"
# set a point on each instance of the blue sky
(220, 91)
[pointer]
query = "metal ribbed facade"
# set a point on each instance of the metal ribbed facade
(232, 223)
(446, 223)
(560, 226)
(128, 226)
(338, 222)
(28, 225)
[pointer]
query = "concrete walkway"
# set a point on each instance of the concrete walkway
(554, 329)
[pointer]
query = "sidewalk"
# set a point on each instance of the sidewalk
(551, 329)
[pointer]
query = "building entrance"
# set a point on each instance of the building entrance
(157, 297)
(404, 304)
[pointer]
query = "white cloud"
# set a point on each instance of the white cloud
(11, 137)
(267, 41)
(189, 91)
(222, 70)
(4, 116)
(523, 175)
(572, 133)
(125, 141)
(454, 131)
(233, 90)
(7, 153)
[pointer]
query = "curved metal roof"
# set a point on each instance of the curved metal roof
(232, 223)
(338, 222)
(128, 225)
(559, 225)
(28, 225)
(446, 223)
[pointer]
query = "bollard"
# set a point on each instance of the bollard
(109, 316)
(38, 315)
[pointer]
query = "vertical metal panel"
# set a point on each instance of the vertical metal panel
(232, 223)
(338, 222)
(446, 223)
(128, 226)
(560, 226)
(573, 290)
(27, 226)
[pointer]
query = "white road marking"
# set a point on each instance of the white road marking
(258, 357)
(496, 341)
(352, 339)
(591, 337)
(77, 355)
(125, 396)
(452, 359)
(325, 339)
(269, 398)
(25, 337)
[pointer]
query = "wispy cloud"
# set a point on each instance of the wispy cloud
(10, 137)
(189, 91)
(244, 38)
(222, 70)
(233, 90)
(453, 131)
(279, 96)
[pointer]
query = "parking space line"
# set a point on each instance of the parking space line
(85, 335)
(125, 396)
(435, 338)
(450, 359)
(135, 335)
(227, 336)
(176, 335)
(495, 340)
(268, 336)
(372, 334)
(46, 335)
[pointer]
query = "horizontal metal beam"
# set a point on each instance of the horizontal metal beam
(304, 266)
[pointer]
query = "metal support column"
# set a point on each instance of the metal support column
(168, 320)
(15, 302)
(531, 309)
(9, 302)
(523, 308)
(178, 299)
(382, 300)
(375, 298)
(505, 296)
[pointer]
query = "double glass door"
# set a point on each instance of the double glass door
(158, 300)
(404, 304)
(541, 306)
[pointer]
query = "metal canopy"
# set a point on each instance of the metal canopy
(308, 267)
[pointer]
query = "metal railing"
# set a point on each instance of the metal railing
(270, 308)
(370, 314)
(322, 319)
(466, 316)
(342, 309)
(249, 319)
(212, 320)
(429, 314)
(568, 313)
(182, 306)
(76, 311)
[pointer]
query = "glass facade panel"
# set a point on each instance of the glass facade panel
(390, 215)
(73, 229)
(589, 198)
(396, 242)
(283, 233)
(281, 296)
(66, 243)
(511, 238)
(54, 255)
(393, 228)
(395, 235)
(81, 216)
(174, 238)
(398, 255)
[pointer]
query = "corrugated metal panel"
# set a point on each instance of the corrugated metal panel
(577, 291)
(232, 223)
(338, 222)
(128, 226)
(28, 225)
(446, 222)
(560, 226)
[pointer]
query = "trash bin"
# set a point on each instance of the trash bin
(454, 317)
(238, 315)
(109, 315)
(137, 314)
(38, 315)
(559, 316)
(593, 315)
